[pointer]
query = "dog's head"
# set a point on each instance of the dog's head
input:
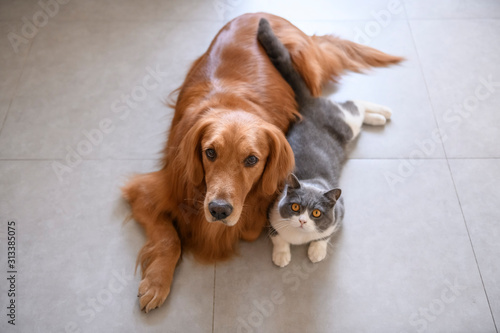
(234, 153)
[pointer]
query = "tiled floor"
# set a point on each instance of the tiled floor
(419, 248)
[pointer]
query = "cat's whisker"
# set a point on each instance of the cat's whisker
(281, 228)
(280, 224)
(277, 227)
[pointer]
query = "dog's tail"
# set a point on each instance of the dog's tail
(280, 57)
(342, 55)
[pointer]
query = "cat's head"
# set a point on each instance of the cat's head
(306, 207)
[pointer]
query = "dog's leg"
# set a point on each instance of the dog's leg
(160, 254)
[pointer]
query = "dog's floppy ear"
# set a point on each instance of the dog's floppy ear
(280, 161)
(190, 154)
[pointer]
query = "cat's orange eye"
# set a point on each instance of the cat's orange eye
(295, 207)
(316, 213)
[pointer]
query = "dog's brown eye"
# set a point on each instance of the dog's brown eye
(211, 154)
(251, 161)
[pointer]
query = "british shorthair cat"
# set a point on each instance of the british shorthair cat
(310, 209)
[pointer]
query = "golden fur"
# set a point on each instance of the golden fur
(234, 101)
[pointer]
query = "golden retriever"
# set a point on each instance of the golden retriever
(227, 154)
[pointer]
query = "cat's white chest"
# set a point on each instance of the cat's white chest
(297, 236)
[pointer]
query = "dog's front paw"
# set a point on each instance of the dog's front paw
(152, 293)
(282, 258)
(317, 251)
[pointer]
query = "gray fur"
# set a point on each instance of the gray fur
(318, 141)
(310, 197)
(351, 107)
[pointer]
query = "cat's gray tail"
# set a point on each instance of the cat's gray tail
(280, 57)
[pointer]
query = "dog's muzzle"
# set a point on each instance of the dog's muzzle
(220, 209)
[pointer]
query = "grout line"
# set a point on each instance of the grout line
(426, 87)
(448, 19)
(425, 159)
(472, 246)
(158, 159)
(394, 158)
(12, 20)
(226, 20)
(133, 21)
(473, 158)
(404, 8)
(451, 175)
(213, 304)
(83, 159)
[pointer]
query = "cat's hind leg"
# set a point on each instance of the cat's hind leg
(281, 251)
(374, 114)
(353, 116)
(317, 250)
(357, 113)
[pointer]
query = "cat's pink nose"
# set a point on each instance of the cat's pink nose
(302, 221)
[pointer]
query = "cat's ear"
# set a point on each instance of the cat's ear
(334, 194)
(293, 182)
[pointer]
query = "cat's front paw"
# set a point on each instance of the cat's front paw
(282, 258)
(317, 251)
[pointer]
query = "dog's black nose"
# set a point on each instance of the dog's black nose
(220, 209)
